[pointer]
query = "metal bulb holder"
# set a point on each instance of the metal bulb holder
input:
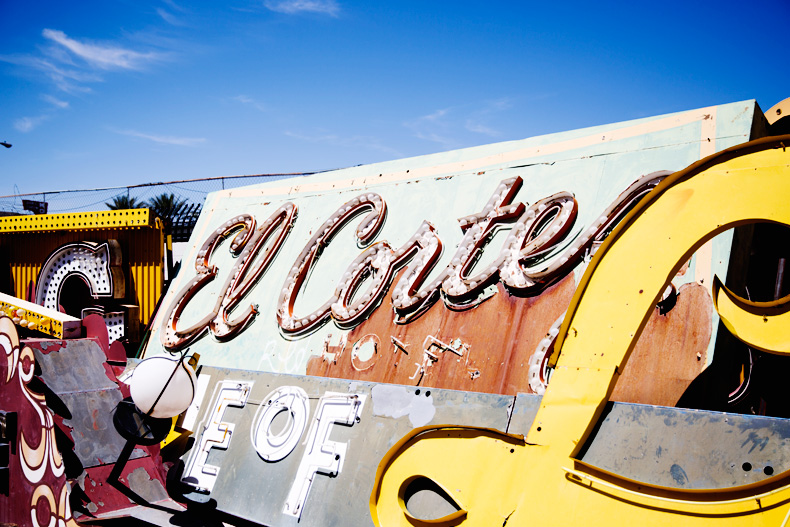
(161, 388)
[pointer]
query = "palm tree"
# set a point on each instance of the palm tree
(123, 201)
(167, 207)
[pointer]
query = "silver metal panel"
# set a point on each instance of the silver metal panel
(73, 365)
(251, 488)
(96, 442)
(677, 447)
(74, 371)
(524, 411)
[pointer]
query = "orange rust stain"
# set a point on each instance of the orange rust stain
(503, 332)
(671, 351)
(501, 335)
(95, 419)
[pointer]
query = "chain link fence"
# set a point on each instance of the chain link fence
(191, 191)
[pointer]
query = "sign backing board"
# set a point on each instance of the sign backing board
(484, 337)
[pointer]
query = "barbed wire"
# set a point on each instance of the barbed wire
(188, 190)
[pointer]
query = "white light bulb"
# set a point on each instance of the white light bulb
(151, 377)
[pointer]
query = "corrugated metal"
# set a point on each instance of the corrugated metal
(142, 249)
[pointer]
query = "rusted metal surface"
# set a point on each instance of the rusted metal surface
(328, 294)
(671, 351)
(69, 366)
(75, 372)
(82, 389)
(142, 475)
(499, 336)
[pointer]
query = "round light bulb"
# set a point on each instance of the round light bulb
(151, 376)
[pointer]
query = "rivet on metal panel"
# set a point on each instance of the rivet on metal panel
(419, 371)
(398, 345)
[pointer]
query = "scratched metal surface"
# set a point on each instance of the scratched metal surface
(596, 164)
(677, 447)
(96, 442)
(251, 488)
(72, 365)
(74, 371)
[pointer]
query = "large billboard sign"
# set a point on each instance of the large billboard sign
(450, 270)
(293, 449)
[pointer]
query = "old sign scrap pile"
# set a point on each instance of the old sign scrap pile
(538, 332)
(62, 445)
(59, 268)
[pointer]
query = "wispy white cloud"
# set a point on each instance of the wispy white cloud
(435, 116)
(433, 127)
(476, 121)
(164, 139)
(291, 7)
(250, 101)
(54, 101)
(174, 5)
(102, 56)
(68, 80)
(447, 125)
(71, 64)
(65, 77)
(355, 141)
(478, 128)
(169, 17)
(497, 105)
(27, 124)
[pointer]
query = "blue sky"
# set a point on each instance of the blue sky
(114, 93)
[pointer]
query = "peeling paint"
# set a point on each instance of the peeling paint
(141, 482)
(397, 401)
(45, 345)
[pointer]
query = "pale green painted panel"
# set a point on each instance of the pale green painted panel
(596, 164)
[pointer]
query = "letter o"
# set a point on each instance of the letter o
(291, 399)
